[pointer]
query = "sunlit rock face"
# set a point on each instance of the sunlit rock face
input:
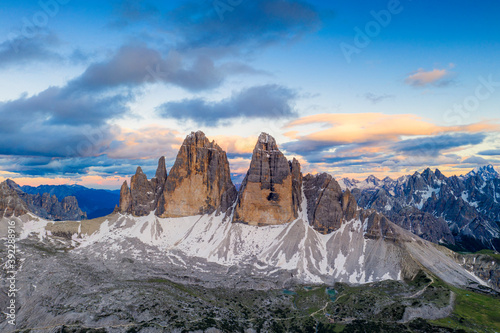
(199, 182)
(270, 192)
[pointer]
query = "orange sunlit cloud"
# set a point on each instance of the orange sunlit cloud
(149, 142)
(368, 127)
(236, 144)
(422, 78)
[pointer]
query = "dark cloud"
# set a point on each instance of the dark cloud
(490, 152)
(268, 101)
(20, 50)
(377, 98)
(308, 147)
(243, 23)
(49, 122)
(476, 160)
(322, 152)
(62, 106)
(367, 156)
(77, 166)
(432, 146)
(133, 65)
(38, 139)
(57, 121)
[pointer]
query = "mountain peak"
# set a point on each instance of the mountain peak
(266, 142)
(486, 172)
(161, 171)
(12, 184)
(196, 136)
(10, 202)
(270, 191)
(199, 181)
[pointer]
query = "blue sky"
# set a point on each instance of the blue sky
(90, 90)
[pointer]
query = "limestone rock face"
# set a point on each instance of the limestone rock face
(199, 182)
(349, 205)
(142, 194)
(10, 202)
(296, 186)
(327, 206)
(158, 182)
(125, 198)
(378, 226)
(270, 193)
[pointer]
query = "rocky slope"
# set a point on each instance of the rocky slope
(14, 202)
(459, 211)
(269, 194)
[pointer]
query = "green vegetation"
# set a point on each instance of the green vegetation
(473, 312)
(490, 253)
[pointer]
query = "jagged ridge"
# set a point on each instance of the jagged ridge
(463, 212)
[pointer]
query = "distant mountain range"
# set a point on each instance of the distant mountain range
(13, 201)
(58, 202)
(461, 212)
(94, 202)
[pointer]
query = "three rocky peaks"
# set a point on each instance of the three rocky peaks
(271, 193)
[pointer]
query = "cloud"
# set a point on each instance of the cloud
(106, 152)
(377, 98)
(133, 65)
(82, 151)
(20, 50)
(62, 106)
(137, 64)
(145, 143)
(101, 166)
(490, 152)
(346, 128)
(374, 142)
(433, 146)
(249, 24)
(475, 160)
(235, 144)
(53, 141)
(422, 78)
(59, 122)
(60, 116)
(267, 102)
